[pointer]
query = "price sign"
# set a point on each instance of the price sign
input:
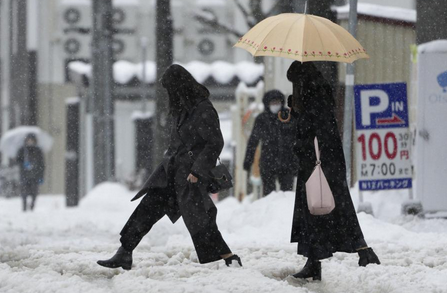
(382, 136)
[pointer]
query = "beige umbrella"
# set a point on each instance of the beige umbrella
(302, 37)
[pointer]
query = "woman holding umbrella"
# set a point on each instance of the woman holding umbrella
(320, 236)
(179, 185)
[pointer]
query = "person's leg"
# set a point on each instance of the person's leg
(24, 202)
(34, 192)
(199, 214)
(24, 191)
(150, 210)
(286, 181)
(268, 182)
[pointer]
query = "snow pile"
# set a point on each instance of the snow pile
(438, 46)
(55, 249)
(380, 11)
(222, 72)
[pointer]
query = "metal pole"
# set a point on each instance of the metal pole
(102, 60)
(143, 41)
(349, 95)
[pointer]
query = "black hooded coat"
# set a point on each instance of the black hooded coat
(195, 143)
(277, 139)
(320, 236)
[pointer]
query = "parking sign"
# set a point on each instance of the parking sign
(382, 136)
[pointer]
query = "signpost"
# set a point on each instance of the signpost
(382, 136)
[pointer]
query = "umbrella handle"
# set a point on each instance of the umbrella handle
(282, 119)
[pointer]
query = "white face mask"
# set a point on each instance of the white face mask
(275, 108)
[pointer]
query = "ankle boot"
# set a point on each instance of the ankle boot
(233, 261)
(312, 269)
(367, 256)
(122, 258)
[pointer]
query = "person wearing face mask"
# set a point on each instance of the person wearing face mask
(277, 138)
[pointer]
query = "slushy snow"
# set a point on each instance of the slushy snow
(54, 249)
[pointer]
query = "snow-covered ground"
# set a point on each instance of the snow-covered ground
(54, 249)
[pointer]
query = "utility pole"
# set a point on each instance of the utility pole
(164, 57)
(102, 91)
(349, 95)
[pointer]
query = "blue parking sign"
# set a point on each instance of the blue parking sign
(382, 136)
(381, 106)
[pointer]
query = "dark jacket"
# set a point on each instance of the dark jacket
(277, 139)
(195, 143)
(31, 163)
(320, 236)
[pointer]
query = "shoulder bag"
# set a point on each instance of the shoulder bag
(320, 199)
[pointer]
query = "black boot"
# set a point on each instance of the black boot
(312, 269)
(367, 256)
(122, 258)
(234, 257)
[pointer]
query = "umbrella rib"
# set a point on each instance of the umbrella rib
(276, 24)
(336, 38)
(266, 36)
(321, 40)
(288, 33)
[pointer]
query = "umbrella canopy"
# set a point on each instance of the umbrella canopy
(302, 37)
(14, 139)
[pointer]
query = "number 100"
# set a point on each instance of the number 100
(374, 139)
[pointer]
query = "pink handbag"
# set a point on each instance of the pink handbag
(320, 199)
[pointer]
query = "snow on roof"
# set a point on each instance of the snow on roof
(80, 67)
(72, 100)
(89, 2)
(139, 115)
(210, 2)
(438, 46)
(396, 13)
(222, 72)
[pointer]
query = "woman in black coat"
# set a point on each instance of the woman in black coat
(319, 237)
(277, 159)
(179, 185)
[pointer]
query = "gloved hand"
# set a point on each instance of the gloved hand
(40, 181)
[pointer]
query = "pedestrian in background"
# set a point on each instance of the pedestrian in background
(320, 236)
(32, 167)
(277, 160)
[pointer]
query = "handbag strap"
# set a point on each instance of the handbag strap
(317, 151)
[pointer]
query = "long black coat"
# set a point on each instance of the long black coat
(31, 163)
(320, 236)
(198, 131)
(276, 138)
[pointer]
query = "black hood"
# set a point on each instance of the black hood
(312, 89)
(272, 95)
(184, 91)
(306, 72)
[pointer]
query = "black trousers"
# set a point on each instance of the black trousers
(29, 189)
(269, 177)
(208, 241)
